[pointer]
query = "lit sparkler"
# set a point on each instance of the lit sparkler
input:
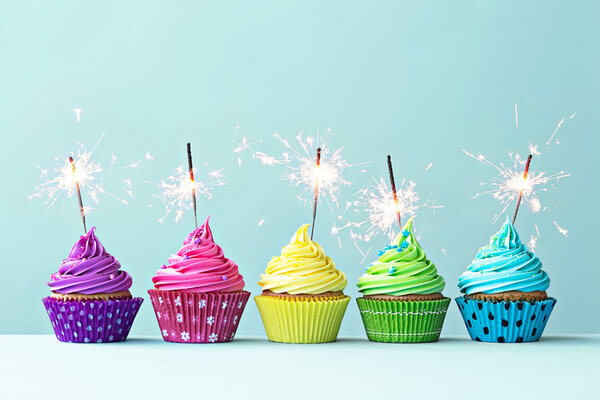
(382, 211)
(73, 174)
(176, 189)
(191, 173)
(303, 172)
(527, 164)
(78, 190)
(509, 184)
(300, 169)
(316, 199)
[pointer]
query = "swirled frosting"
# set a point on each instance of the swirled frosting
(503, 265)
(89, 269)
(302, 268)
(402, 268)
(199, 266)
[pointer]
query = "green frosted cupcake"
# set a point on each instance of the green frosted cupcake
(402, 294)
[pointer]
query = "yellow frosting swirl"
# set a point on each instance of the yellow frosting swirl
(302, 268)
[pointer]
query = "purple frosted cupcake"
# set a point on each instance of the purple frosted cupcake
(90, 299)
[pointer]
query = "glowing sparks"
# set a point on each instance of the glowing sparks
(516, 116)
(560, 123)
(246, 144)
(506, 186)
(532, 243)
(261, 222)
(177, 189)
(302, 171)
(149, 156)
(376, 203)
(533, 149)
(298, 162)
(561, 230)
(429, 167)
(77, 112)
(63, 184)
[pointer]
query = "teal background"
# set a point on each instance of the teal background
(418, 80)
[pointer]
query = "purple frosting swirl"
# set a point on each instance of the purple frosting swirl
(89, 269)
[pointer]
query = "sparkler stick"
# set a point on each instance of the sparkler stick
(521, 192)
(391, 171)
(312, 231)
(81, 209)
(191, 170)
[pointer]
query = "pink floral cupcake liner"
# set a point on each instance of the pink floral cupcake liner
(185, 317)
(98, 321)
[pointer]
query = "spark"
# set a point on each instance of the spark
(537, 230)
(302, 171)
(429, 166)
(77, 111)
(149, 156)
(560, 123)
(516, 116)
(533, 149)
(376, 203)
(532, 243)
(176, 189)
(261, 222)
(132, 165)
(63, 182)
(573, 115)
(445, 252)
(247, 144)
(561, 230)
(506, 186)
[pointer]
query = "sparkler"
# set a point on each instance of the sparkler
(381, 209)
(81, 209)
(509, 184)
(299, 168)
(312, 231)
(527, 163)
(176, 189)
(191, 171)
(391, 172)
(66, 183)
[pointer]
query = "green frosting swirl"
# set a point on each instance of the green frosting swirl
(401, 269)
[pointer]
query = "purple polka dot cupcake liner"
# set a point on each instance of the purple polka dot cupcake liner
(186, 317)
(505, 321)
(98, 321)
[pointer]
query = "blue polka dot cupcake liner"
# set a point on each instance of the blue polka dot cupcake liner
(98, 321)
(505, 321)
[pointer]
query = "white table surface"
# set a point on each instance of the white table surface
(38, 366)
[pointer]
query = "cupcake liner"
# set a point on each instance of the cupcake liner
(403, 321)
(97, 321)
(289, 320)
(186, 317)
(505, 321)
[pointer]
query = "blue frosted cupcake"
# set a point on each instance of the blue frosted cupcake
(505, 287)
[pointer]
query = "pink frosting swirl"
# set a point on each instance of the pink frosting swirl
(199, 266)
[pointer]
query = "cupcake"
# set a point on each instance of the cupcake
(90, 299)
(505, 297)
(402, 294)
(302, 299)
(198, 295)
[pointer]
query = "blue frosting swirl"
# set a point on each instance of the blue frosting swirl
(503, 265)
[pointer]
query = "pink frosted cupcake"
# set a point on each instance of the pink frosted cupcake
(199, 296)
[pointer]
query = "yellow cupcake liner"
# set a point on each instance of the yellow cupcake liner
(289, 320)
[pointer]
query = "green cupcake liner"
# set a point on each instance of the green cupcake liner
(403, 321)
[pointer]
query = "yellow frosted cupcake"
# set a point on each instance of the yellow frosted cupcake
(302, 299)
